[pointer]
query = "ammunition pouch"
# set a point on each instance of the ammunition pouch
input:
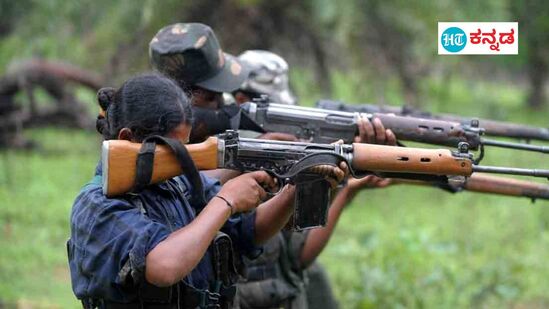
(273, 279)
(225, 273)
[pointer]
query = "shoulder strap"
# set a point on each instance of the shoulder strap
(145, 160)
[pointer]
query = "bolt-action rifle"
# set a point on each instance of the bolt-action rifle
(491, 127)
(482, 183)
(289, 162)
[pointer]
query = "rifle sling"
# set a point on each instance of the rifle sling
(144, 166)
(145, 162)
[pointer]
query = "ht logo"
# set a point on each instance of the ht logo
(453, 39)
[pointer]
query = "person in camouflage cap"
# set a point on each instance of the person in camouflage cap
(268, 76)
(190, 54)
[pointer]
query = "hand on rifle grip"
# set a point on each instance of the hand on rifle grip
(277, 188)
(246, 191)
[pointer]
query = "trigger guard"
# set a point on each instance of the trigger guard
(281, 181)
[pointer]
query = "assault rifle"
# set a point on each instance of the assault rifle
(483, 183)
(289, 162)
(491, 127)
(325, 126)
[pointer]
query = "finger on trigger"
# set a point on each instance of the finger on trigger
(263, 178)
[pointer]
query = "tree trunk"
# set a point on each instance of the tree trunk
(537, 73)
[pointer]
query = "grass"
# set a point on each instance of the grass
(36, 194)
(399, 247)
(421, 247)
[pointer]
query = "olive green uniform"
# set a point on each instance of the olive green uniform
(276, 279)
(319, 291)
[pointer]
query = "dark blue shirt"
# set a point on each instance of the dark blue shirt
(110, 237)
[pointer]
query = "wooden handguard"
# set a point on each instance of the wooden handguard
(484, 183)
(505, 186)
(119, 163)
(367, 157)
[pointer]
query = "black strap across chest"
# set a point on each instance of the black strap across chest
(145, 163)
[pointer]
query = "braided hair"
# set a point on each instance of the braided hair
(148, 104)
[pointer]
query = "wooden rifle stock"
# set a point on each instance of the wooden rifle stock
(120, 157)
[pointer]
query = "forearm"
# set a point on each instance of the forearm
(318, 238)
(273, 215)
(174, 258)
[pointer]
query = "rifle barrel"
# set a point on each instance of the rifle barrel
(514, 130)
(521, 146)
(491, 127)
(512, 171)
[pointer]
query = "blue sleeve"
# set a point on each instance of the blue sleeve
(211, 186)
(240, 227)
(110, 239)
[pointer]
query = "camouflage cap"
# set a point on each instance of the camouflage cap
(268, 75)
(190, 53)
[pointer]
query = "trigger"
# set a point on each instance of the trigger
(280, 184)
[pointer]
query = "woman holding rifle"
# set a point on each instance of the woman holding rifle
(175, 244)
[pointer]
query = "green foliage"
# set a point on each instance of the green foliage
(36, 193)
(420, 247)
(400, 247)
(463, 251)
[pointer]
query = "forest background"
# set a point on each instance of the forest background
(398, 247)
